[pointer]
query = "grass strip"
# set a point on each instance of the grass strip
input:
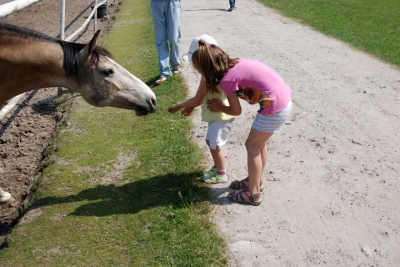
(121, 190)
(372, 26)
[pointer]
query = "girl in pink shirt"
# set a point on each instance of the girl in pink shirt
(255, 83)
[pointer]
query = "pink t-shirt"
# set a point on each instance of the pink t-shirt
(255, 82)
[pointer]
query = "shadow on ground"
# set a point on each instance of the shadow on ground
(131, 198)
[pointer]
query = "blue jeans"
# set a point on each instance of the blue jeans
(232, 2)
(167, 27)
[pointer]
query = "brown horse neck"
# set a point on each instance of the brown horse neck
(28, 64)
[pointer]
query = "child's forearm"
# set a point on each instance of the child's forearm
(197, 99)
(229, 110)
(234, 108)
(192, 102)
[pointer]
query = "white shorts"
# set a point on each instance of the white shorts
(272, 123)
(218, 133)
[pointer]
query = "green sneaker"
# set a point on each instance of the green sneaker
(210, 173)
(217, 178)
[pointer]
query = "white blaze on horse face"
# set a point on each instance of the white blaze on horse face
(112, 85)
(131, 90)
(123, 89)
(109, 84)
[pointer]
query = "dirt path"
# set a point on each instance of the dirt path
(332, 187)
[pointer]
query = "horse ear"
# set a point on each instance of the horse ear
(88, 49)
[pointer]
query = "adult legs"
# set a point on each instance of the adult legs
(158, 11)
(174, 31)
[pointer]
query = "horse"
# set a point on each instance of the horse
(32, 60)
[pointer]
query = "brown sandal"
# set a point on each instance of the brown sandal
(242, 184)
(244, 196)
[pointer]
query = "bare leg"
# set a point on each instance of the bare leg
(218, 157)
(257, 155)
(264, 157)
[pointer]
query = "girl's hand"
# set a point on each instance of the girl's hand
(215, 105)
(174, 109)
(187, 111)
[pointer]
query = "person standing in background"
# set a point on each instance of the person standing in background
(232, 4)
(167, 27)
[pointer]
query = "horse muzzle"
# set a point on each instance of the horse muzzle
(146, 109)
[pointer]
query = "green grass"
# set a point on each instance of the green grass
(121, 190)
(369, 25)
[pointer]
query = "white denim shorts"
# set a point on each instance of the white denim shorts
(272, 123)
(218, 133)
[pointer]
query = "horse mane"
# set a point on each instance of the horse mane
(71, 50)
(26, 33)
(71, 54)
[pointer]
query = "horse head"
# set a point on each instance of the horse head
(31, 60)
(103, 82)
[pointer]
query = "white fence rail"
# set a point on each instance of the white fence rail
(14, 6)
(8, 8)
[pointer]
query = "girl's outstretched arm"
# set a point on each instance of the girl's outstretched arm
(191, 103)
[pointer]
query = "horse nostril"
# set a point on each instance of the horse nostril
(152, 104)
(153, 101)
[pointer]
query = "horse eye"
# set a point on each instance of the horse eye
(108, 72)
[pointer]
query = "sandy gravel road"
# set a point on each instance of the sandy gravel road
(332, 187)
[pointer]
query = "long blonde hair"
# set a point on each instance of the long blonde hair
(213, 63)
